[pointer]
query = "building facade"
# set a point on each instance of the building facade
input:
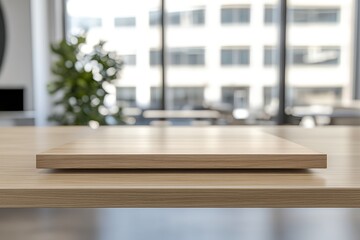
(224, 51)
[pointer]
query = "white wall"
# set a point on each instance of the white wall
(46, 29)
(17, 66)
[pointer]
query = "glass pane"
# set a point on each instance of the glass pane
(235, 14)
(226, 57)
(154, 18)
(270, 14)
(226, 15)
(174, 18)
(219, 64)
(125, 22)
(314, 15)
(198, 17)
(320, 55)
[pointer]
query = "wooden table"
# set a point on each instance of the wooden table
(22, 185)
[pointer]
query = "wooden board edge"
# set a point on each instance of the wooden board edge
(181, 197)
(180, 161)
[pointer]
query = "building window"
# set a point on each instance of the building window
(235, 15)
(179, 97)
(270, 56)
(305, 56)
(125, 22)
(187, 97)
(155, 57)
(236, 97)
(174, 18)
(314, 55)
(84, 24)
(180, 57)
(193, 17)
(126, 96)
(298, 55)
(186, 56)
(309, 96)
(304, 15)
(314, 15)
(129, 60)
(233, 56)
(197, 17)
(154, 18)
(270, 15)
(269, 93)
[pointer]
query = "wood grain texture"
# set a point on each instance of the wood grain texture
(22, 185)
(180, 148)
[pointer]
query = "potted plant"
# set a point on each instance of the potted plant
(83, 79)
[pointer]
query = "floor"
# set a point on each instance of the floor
(176, 224)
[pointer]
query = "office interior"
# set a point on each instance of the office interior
(179, 63)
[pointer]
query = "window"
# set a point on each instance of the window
(196, 56)
(314, 15)
(154, 18)
(235, 96)
(125, 22)
(314, 55)
(235, 15)
(84, 24)
(187, 98)
(270, 15)
(129, 60)
(180, 98)
(319, 57)
(174, 18)
(179, 18)
(155, 97)
(215, 54)
(304, 15)
(235, 57)
(155, 57)
(180, 56)
(305, 56)
(126, 96)
(306, 96)
(198, 17)
(269, 93)
(269, 56)
(186, 56)
(298, 55)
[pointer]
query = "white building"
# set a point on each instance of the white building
(224, 51)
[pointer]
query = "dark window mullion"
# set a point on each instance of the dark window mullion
(281, 117)
(356, 78)
(163, 56)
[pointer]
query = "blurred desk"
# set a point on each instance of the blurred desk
(197, 116)
(17, 118)
(192, 114)
(22, 185)
(333, 115)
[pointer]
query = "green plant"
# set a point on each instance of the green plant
(83, 80)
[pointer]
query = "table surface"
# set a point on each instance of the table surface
(180, 148)
(22, 185)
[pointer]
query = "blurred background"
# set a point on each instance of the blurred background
(189, 62)
(176, 224)
(222, 62)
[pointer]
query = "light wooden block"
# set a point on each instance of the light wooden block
(180, 148)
